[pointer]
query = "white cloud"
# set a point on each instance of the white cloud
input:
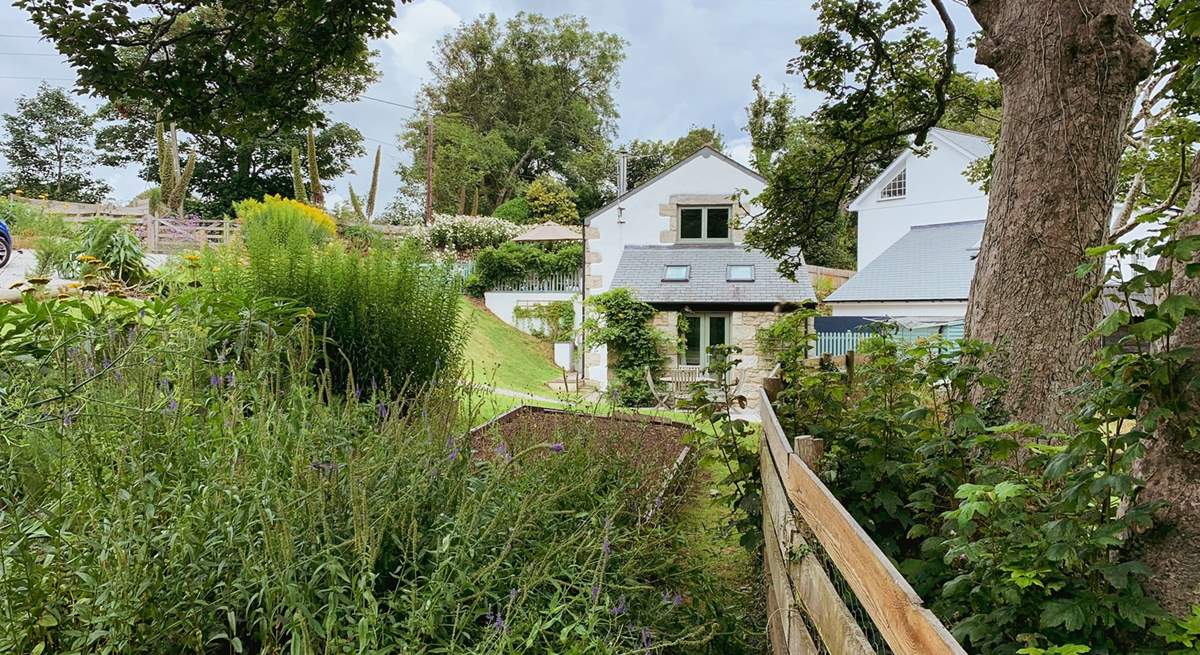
(418, 28)
(739, 150)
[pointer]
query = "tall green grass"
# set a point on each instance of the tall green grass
(390, 316)
(163, 490)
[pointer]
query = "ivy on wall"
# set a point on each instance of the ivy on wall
(557, 318)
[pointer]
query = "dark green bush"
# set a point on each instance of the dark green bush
(623, 324)
(513, 262)
(516, 210)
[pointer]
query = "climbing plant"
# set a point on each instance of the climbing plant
(556, 319)
(624, 324)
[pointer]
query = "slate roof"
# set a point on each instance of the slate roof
(930, 263)
(642, 269)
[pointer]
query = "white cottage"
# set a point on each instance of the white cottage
(675, 242)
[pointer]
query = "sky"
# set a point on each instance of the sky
(688, 63)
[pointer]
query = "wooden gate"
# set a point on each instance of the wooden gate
(830, 588)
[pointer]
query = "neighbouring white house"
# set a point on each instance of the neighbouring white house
(920, 225)
(920, 189)
(675, 242)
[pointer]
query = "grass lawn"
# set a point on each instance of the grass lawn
(499, 355)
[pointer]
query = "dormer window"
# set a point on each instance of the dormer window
(897, 187)
(704, 223)
(677, 273)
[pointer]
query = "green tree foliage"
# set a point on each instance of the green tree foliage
(239, 70)
(463, 161)
(48, 145)
(650, 157)
(1015, 536)
(551, 200)
(541, 86)
(218, 181)
(884, 78)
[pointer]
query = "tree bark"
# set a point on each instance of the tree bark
(1068, 70)
(1172, 548)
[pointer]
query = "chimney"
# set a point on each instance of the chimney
(622, 170)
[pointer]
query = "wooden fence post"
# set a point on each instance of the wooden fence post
(850, 369)
(810, 450)
(151, 234)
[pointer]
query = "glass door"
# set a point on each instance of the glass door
(701, 331)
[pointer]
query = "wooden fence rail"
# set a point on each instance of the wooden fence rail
(801, 518)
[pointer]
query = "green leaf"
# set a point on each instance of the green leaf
(1066, 613)
(1113, 322)
(1176, 306)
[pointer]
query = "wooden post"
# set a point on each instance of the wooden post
(810, 450)
(429, 169)
(849, 369)
(152, 234)
(226, 230)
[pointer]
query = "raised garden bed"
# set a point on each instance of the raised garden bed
(655, 447)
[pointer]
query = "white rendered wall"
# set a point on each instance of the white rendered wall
(636, 220)
(897, 309)
(937, 193)
(502, 303)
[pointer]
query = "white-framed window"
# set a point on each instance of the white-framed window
(699, 332)
(739, 273)
(704, 223)
(677, 273)
(897, 187)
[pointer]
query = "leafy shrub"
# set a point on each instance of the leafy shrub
(181, 500)
(515, 210)
(555, 320)
(112, 249)
(26, 220)
(551, 200)
(513, 262)
(56, 256)
(103, 247)
(466, 234)
(278, 215)
(1018, 538)
(624, 325)
(391, 316)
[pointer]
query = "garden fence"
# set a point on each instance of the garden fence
(562, 282)
(830, 589)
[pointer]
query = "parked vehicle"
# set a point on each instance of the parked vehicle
(5, 244)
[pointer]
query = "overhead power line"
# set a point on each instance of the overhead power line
(389, 102)
(20, 36)
(29, 54)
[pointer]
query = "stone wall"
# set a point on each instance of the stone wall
(744, 327)
(743, 332)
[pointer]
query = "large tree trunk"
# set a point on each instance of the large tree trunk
(1068, 70)
(1172, 473)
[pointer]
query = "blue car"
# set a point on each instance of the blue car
(5, 244)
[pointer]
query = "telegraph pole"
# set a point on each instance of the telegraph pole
(429, 168)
